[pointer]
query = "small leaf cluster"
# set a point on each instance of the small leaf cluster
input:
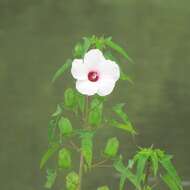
(146, 163)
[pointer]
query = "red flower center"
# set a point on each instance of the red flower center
(93, 76)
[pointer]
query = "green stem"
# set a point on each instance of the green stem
(81, 171)
(81, 164)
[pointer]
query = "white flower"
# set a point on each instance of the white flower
(95, 74)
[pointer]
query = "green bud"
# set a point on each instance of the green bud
(64, 158)
(72, 181)
(69, 97)
(111, 147)
(65, 126)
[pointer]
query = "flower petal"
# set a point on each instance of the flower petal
(78, 69)
(110, 69)
(92, 58)
(105, 87)
(86, 87)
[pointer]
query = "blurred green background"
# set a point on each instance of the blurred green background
(36, 36)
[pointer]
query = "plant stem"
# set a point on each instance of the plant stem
(99, 163)
(80, 171)
(81, 156)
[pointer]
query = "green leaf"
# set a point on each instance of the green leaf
(118, 49)
(50, 178)
(132, 178)
(65, 126)
(62, 70)
(119, 166)
(48, 154)
(95, 114)
(127, 127)
(125, 174)
(141, 163)
(122, 181)
(168, 166)
(112, 146)
(72, 181)
(103, 188)
(170, 182)
(70, 97)
(154, 160)
(81, 48)
(64, 159)
(118, 109)
(86, 44)
(78, 50)
(87, 147)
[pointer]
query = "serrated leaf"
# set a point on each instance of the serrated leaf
(127, 127)
(95, 114)
(118, 49)
(50, 178)
(103, 188)
(65, 126)
(62, 70)
(87, 147)
(72, 181)
(168, 166)
(48, 154)
(170, 182)
(112, 146)
(64, 159)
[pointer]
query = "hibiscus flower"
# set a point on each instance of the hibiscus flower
(95, 74)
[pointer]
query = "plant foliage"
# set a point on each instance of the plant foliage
(66, 136)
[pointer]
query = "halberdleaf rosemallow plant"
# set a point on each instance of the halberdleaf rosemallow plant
(96, 70)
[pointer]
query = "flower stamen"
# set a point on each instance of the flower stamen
(93, 76)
